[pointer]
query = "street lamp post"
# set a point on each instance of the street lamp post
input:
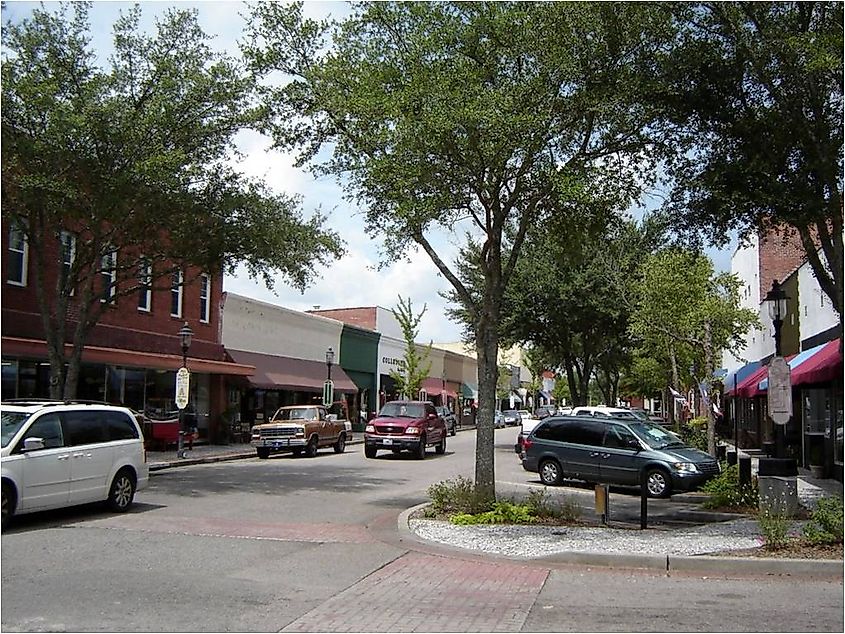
(185, 334)
(776, 302)
(329, 363)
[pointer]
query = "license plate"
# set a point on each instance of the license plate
(279, 443)
(387, 441)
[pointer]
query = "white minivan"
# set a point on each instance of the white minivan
(57, 454)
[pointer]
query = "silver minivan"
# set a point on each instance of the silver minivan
(57, 454)
(615, 451)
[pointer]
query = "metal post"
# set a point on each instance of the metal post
(180, 446)
(643, 505)
(736, 418)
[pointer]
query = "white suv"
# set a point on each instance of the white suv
(57, 454)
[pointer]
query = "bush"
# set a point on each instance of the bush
(694, 433)
(502, 513)
(725, 490)
(543, 507)
(825, 525)
(775, 529)
(457, 496)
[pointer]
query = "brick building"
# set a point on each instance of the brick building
(131, 354)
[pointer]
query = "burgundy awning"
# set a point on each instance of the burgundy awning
(824, 365)
(285, 373)
(749, 388)
(438, 386)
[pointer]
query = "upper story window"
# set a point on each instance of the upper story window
(108, 271)
(205, 294)
(68, 246)
(145, 289)
(176, 289)
(17, 257)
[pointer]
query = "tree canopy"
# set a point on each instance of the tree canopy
(135, 159)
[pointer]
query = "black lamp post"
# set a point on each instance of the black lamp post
(185, 334)
(776, 302)
(329, 362)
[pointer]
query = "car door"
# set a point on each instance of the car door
(434, 432)
(45, 473)
(580, 443)
(91, 456)
(620, 460)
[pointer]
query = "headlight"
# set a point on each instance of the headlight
(412, 430)
(300, 431)
(371, 429)
(685, 467)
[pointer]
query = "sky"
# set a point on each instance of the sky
(353, 280)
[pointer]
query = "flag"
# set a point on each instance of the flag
(678, 396)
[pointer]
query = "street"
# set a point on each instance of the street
(295, 544)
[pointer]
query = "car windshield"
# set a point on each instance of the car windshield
(12, 422)
(403, 410)
(655, 436)
(641, 414)
(300, 413)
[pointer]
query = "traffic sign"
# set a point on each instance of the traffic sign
(780, 391)
(183, 384)
(328, 393)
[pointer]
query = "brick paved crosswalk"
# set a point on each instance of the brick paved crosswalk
(425, 593)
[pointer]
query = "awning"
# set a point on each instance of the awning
(815, 365)
(438, 386)
(284, 373)
(516, 397)
(468, 390)
(741, 374)
(13, 346)
(748, 388)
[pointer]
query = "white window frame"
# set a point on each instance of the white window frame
(22, 253)
(205, 297)
(108, 274)
(145, 291)
(177, 284)
(67, 238)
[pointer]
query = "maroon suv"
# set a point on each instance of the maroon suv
(411, 425)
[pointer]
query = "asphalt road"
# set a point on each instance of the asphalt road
(311, 545)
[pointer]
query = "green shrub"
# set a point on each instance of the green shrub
(775, 529)
(542, 506)
(725, 490)
(501, 513)
(825, 525)
(694, 433)
(457, 496)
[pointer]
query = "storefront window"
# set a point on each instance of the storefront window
(92, 383)
(201, 393)
(114, 385)
(133, 388)
(10, 379)
(816, 406)
(837, 428)
(160, 386)
(27, 379)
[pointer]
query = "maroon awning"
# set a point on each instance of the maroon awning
(285, 373)
(438, 386)
(824, 365)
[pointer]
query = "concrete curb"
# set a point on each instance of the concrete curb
(701, 564)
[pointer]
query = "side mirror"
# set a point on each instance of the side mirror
(331, 418)
(33, 444)
(432, 416)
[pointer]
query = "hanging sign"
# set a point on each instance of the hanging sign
(780, 391)
(183, 384)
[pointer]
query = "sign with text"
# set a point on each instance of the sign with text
(328, 393)
(780, 391)
(183, 385)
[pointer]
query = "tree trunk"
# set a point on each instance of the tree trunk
(675, 382)
(487, 350)
(708, 382)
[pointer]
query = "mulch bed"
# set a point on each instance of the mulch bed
(797, 549)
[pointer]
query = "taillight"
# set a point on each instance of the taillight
(526, 444)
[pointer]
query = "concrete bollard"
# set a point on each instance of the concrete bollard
(778, 495)
(744, 469)
(731, 457)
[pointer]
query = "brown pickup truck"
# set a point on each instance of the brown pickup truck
(299, 428)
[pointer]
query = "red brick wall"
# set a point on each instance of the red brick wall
(121, 325)
(361, 317)
(781, 252)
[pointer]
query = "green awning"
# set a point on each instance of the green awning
(468, 390)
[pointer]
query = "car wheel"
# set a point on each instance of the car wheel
(550, 472)
(657, 483)
(454, 430)
(311, 447)
(122, 491)
(263, 452)
(420, 452)
(441, 446)
(340, 445)
(297, 452)
(370, 452)
(9, 503)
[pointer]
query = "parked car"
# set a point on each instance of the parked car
(405, 425)
(511, 417)
(526, 425)
(498, 419)
(545, 410)
(602, 411)
(615, 451)
(449, 418)
(298, 428)
(57, 454)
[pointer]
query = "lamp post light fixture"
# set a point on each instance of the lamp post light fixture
(329, 363)
(776, 302)
(185, 335)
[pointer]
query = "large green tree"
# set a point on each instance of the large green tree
(463, 118)
(756, 90)
(680, 302)
(132, 160)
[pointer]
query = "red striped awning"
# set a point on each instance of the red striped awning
(824, 365)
